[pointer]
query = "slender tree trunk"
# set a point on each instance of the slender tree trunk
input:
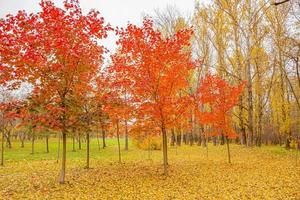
(32, 144)
(204, 140)
(215, 140)
(118, 138)
(179, 136)
(98, 141)
(206, 145)
(8, 140)
(2, 149)
(222, 139)
(79, 142)
(64, 157)
(58, 149)
(249, 80)
(126, 135)
(165, 146)
(87, 150)
(191, 139)
(73, 143)
(47, 144)
(239, 72)
(228, 150)
(149, 147)
(172, 137)
(184, 140)
(176, 142)
(200, 137)
(103, 137)
(22, 142)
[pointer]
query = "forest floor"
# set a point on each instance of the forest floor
(255, 173)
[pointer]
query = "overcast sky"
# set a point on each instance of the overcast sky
(116, 12)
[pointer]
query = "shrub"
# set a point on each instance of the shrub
(152, 142)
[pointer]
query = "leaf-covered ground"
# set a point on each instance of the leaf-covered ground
(265, 173)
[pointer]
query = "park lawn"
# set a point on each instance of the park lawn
(255, 173)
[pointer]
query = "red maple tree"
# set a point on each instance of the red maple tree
(56, 50)
(218, 98)
(158, 68)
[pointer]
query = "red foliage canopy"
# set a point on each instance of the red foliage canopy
(217, 98)
(156, 69)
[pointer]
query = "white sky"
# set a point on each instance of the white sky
(116, 12)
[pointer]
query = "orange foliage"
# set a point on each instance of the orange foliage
(219, 97)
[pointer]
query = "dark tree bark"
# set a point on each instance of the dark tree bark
(47, 144)
(98, 142)
(64, 157)
(178, 139)
(58, 149)
(214, 140)
(79, 141)
(8, 140)
(288, 142)
(165, 146)
(222, 139)
(22, 138)
(126, 135)
(32, 143)
(87, 150)
(173, 137)
(281, 2)
(191, 139)
(103, 137)
(118, 138)
(228, 150)
(73, 144)
(184, 139)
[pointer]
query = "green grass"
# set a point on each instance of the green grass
(16, 153)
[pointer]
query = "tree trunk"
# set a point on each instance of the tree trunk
(58, 149)
(47, 144)
(149, 147)
(87, 150)
(22, 138)
(64, 157)
(103, 137)
(222, 139)
(32, 144)
(118, 138)
(98, 141)
(165, 146)
(2, 149)
(200, 136)
(173, 137)
(73, 143)
(178, 140)
(228, 150)
(184, 138)
(214, 140)
(249, 80)
(79, 142)
(191, 139)
(22, 143)
(203, 140)
(288, 142)
(126, 135)
(8, 140)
